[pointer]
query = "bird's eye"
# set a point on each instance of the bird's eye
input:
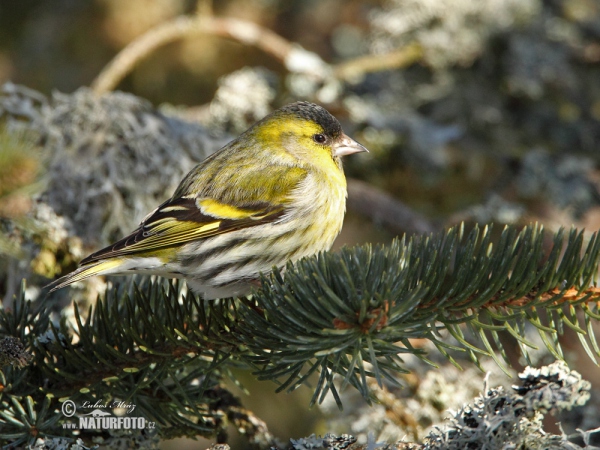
(319, 138)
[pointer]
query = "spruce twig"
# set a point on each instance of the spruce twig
(344, 318)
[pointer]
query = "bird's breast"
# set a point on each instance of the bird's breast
(321, 203)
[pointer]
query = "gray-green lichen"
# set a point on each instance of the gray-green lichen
(498, 419)
(111, 159)
(449, 31)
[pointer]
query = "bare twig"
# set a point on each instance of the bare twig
(294, 57)
(239, 30)
(385, 210)
(357, 68)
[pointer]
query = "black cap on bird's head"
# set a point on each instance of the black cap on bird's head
(323, 130)
(339, 142)
(317, 114)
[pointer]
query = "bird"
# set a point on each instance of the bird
(275, 194)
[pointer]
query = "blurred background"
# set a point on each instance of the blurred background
(483, 111)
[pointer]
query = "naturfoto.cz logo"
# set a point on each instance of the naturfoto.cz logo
(99, 419)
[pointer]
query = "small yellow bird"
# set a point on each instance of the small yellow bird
(276, 193)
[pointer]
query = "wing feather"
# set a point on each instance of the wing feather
(220, 195)
(201, 207)
(181, 220)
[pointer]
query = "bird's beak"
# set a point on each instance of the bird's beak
(347, 146)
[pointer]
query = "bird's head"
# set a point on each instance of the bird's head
(307, 132)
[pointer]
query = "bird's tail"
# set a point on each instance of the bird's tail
(105, 267)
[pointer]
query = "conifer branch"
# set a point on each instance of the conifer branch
(345, 318)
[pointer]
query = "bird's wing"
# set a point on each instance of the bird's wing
(179, 221)
(182, 219)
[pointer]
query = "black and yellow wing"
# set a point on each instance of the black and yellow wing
(187, 217)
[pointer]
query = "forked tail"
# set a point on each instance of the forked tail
(89, 270)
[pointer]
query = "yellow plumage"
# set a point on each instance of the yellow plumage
(274, 194)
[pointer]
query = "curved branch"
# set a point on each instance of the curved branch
(239, 30)
(294, 57)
